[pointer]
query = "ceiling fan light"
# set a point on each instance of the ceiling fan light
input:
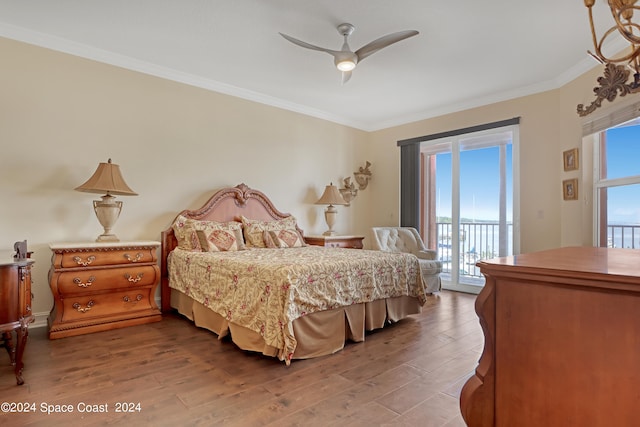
(346, 65)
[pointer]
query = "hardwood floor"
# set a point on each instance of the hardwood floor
(407, 374)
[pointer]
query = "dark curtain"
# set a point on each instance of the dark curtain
(410, 169)
(410, 185)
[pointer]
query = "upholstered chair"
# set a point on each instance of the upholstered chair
(407, 239)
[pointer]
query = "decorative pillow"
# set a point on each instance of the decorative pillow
(185, 232)
(268, 240)
(287, 238)
(254, 229)
(221, 237)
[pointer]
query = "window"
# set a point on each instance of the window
(617, 186)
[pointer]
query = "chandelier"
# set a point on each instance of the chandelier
(617, 68)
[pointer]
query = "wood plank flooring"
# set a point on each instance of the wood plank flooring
(407, 374)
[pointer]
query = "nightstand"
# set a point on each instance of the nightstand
(102, 286)
(354, 242)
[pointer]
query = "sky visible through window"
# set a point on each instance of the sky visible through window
(479, 180)
(623, 160)
(479, 184)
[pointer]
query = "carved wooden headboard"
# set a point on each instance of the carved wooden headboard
(227, 204)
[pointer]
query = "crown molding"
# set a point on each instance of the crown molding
(89, 52)
(122, 61)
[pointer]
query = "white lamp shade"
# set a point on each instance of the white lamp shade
(331, 196)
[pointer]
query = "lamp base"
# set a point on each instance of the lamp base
(330, 217)
(107, 210)
(107, 238)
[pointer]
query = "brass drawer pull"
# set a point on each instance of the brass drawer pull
(24, 272)
(137, 258)
(79, 308)
(79, 260)
(80, 284)
(127, 299)
(133, 279)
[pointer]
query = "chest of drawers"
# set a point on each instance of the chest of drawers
(15, 309)
(102, 286)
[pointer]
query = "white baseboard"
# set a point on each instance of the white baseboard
(41, 320)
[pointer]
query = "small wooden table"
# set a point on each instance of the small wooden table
(354, 242)
(15, 309)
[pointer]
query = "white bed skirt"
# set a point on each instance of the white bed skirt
(317, 334)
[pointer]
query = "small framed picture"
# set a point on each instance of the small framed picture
(570, 159)
(570, 189)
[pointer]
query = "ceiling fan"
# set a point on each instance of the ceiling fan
(345, 59)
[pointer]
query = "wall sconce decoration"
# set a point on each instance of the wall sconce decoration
(107, 179)
(363, 176)
(349, 191)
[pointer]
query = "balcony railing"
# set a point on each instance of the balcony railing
(623, 236)
(478, 240)
(481, 240)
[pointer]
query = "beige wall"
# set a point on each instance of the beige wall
(549, 125)
(539, 140)
(176, 144)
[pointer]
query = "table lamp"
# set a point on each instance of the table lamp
(330, 197)
(107, 179)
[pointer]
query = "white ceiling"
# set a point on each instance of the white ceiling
(468, 53)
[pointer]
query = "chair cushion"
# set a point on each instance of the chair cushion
(430, 267)
(397, 240)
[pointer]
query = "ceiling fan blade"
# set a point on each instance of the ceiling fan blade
(382, 42)
(346, 75)
(308, 45)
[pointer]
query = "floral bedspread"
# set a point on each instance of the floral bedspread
(265, 290)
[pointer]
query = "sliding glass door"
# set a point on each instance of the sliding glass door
(467, 195)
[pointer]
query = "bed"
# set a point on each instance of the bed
(268, 290)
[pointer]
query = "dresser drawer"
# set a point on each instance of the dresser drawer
(99, 286)
(112, 304)
(92, 257)
(91, 281)
(352, 242)
(15, 293)
(26, 282)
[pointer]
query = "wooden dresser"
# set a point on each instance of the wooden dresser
(562, 340)
(15, 309)
(354, 242)
(102, 286)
